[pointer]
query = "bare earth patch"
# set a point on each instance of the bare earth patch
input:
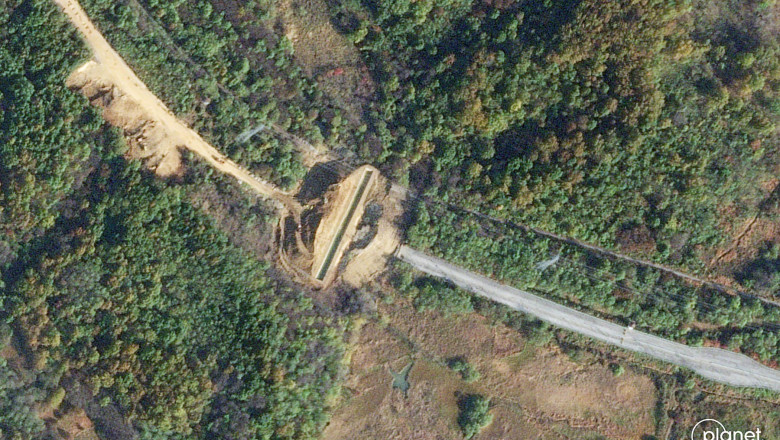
(109, 73)
(748, 237)
(337, 210)
(148, 140)
(367, 263)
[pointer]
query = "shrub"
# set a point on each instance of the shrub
(466, 370)
(474, 414)
(616, 369)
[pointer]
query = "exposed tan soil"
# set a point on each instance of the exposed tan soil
(148, 140)
(535, 394)
(110, 72)
(365, 264)
(336, 208)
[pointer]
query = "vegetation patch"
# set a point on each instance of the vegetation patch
(629, 125)
(466, 370)
(617, 290)
(118, 287)
(474, 414)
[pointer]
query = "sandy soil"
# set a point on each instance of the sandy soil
(365, 264)
(335, 210)
(148, 140)
(136, 97)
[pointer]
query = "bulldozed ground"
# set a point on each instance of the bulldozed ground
(157, 143)
(155, 135)
(363, 264)
(537, 392)
(340, 220)
(160, 131)
(317, 246)
(148, 140)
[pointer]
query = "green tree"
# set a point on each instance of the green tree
(474, 414)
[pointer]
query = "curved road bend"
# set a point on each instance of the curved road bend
(713, 363)
(123, 76)
(716, 364)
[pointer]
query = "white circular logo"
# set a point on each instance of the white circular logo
(704, 424)
(711, 429)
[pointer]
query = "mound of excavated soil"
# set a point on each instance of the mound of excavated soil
(366, 263)
(337, 210)
(147, 139)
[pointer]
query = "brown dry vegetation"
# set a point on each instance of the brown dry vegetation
(536, 393)
(748, 236)
(327, 55)
(64, 423)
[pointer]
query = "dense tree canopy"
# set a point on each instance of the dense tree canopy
(46, 134)
(113, 280)
(633, 124)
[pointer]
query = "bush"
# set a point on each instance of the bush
(474, 414)
(431, 294)
(5, 335)
(55, 399)
(616, 369)
(466, 370)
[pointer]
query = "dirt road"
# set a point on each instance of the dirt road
(713, 363)
(126, 80)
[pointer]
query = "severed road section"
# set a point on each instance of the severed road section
(713, 363)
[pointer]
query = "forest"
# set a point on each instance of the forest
(646, 127)
(114, 282)
(643, 126)
(616, 290)
(220, 67)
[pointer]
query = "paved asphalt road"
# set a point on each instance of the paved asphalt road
(713, 363)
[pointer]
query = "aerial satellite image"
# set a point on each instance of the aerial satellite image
(389, 219)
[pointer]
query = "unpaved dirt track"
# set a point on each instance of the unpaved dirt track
(126, 80)
(713, 363)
